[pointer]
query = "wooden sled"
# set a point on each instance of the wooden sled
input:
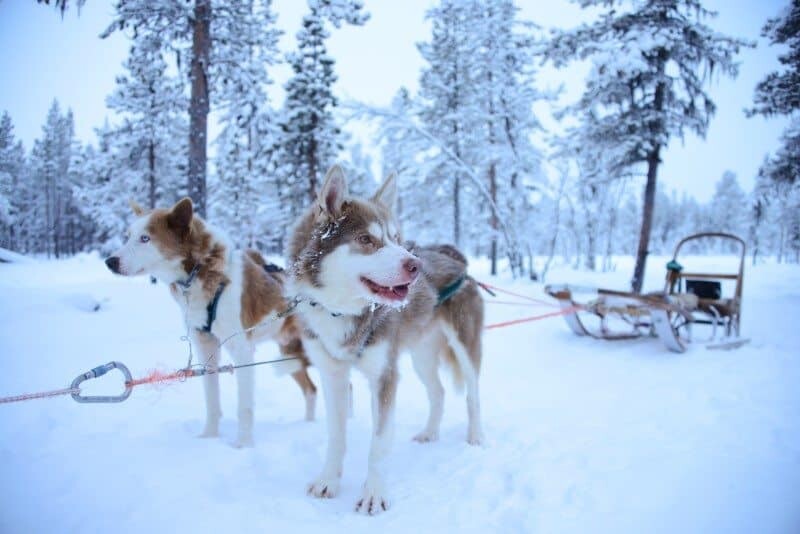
(688, 299)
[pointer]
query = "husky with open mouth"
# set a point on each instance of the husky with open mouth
(225, 295)
(366, 299)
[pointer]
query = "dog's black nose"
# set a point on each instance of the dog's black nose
(113, 264)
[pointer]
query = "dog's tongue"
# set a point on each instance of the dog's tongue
(400, 291)
(389, 293)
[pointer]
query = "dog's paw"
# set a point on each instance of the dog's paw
(373, 500)
(475, 438)
(426, 436)
(324, 487)
(243, 442)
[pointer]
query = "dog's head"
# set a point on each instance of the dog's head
(157, 243)
(347, 252)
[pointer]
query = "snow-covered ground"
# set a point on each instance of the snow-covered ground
(583, 435)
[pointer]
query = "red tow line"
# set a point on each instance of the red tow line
(159, 377)
(491, 289)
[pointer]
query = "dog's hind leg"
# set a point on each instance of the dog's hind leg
(309, 391)
(208, 348)
(242, 351)
(294, 349)
(425, 356)
(470, 371)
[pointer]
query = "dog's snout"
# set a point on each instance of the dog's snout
(113, 264)
(412, 266)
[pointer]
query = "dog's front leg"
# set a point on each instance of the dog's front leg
(383, 389)
(335, 377)
(242, 352)
(209, 356)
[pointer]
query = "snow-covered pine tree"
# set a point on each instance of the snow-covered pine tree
(779, 92)
(726, 207)
(309, 140)
(401, 148)
(588, 173)
(49, 165)
(106, 193)
(13, 199)
(186, 29)
(759, 232)
(152, 138)
(651, 60)
(506, 92)
(783, 198)
(240, 199)
(79, 230)
(450, 112)
(358, 169)
(475, 116)
(62, 5)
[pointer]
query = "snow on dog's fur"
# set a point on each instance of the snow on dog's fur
(172, 244)
(366, 299)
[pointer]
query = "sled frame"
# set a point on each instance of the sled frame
(668, 315)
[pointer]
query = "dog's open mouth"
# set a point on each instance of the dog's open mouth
(396, 293)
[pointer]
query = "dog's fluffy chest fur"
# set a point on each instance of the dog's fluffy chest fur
(332, 331)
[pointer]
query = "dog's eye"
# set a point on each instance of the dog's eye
(365, 239)
(144, 238)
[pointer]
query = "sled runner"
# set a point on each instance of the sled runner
(688, 299)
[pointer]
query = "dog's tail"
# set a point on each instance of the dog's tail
(451, 363)
(462, 316)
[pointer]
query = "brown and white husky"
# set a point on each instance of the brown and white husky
(221, 293)
(366, 299)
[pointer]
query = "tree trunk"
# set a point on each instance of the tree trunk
(457, 211)
(199, 104)
(493, 219)
(250, 229)
(647, 220)
(591, 253)
(151, 173)
(653, 159)
(311, 161)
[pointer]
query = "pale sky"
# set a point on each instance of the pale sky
(45, 56)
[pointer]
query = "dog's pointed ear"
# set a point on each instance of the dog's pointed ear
(136, 208)
(333, 192)
(387, 194)
(180, 216)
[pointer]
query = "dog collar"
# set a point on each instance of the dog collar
(314, 304)
(186, 284)
(448, 291)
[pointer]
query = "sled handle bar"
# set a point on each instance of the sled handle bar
(96, 373)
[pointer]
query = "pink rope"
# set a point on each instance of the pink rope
(518, 295)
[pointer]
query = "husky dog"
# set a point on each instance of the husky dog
(221, 293)
(366, 299)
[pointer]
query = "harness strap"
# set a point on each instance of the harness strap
(186, 284)
(314, 304)
(211, 309)
(449, 290)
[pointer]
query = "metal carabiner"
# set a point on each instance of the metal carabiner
(98, 372)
